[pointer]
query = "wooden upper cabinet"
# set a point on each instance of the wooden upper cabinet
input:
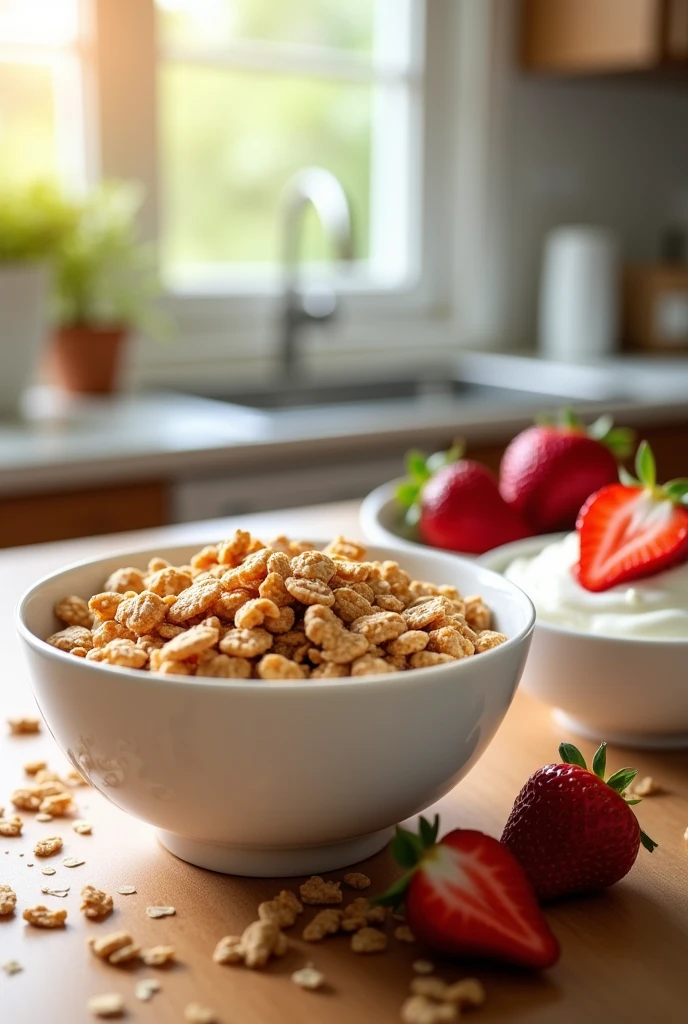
(603, 36)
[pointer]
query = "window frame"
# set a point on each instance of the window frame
(442, 307)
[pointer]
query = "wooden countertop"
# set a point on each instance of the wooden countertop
(624, 952)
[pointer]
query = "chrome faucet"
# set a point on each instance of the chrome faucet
(326, 195)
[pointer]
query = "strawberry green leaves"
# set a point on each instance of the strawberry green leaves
(619, 440)
(599, 761)
(570, 754)
(420, 468)
(675, 491)
(407, 848)
(648, 844)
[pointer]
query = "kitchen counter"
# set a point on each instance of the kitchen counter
(623, 952)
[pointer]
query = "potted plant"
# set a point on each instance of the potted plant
(33, 221)
(105, 284)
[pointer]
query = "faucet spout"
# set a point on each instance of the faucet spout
(320, 189)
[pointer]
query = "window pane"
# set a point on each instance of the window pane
(229, 142)
(27, 122)
(344, 24)
(38, 21)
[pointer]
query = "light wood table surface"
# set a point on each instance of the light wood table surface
(625, 953)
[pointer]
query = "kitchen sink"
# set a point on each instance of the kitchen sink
(406, 390)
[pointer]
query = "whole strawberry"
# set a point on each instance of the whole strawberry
(573, 832)
(456, 504)
(549, 470)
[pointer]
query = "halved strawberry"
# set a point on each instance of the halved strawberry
(467, 895)
(632, 529)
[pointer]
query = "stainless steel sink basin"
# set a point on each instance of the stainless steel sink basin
(381, 393)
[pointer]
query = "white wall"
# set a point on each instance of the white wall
(609, 151)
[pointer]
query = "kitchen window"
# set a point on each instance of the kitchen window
(213, 105)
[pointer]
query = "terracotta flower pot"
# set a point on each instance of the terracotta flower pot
(86, 359)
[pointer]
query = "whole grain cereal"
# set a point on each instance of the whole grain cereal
(244, 610)
(308, 977)
(111, 1004)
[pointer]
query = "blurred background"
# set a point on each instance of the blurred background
(251, 251)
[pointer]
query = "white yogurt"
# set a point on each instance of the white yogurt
(651, 608)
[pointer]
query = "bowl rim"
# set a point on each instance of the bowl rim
(537, 543)
(41, 647)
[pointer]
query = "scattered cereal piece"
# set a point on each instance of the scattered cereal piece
(62, 893)
(158, 956)
(27, 798)
(419, 1010)
(57, 804)
(126, 890)
(84, 828)
(24, 726)
(48, 871)
(12, 967)
(48, 846)
(467, 992)
(160, 911)
(124, 955)
(404, 934)
(106, 945)
(44, 817)
(8, 900)
(33, 767)
(259, 941)
(11, 827)
(41, 917)
(282, 910)
(308, 977)
(95, 903)
(423, 966)
(73, 862)
(229, 950)
(368, 940)
(109, 1005)
(316, 891)
(645, 787)
(327, 922)
(360, 913)
(146, 989)
(357, 880)
(430, 987)
(195, 1013)
(685, 834)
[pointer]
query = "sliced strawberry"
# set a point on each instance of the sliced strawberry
(468, 896)
(633, 529)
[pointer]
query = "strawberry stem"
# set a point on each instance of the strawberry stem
(649, 844)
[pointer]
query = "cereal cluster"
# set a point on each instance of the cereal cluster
(244, 610)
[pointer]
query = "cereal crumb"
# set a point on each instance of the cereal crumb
(283, 909)
(327, 922)
(467, 992)
(316, 891)
(146, 989)
(24, 726)
(8, 900)
(308, 977)
(106, 945)
(126, 890)
(430, 988)
(646, 787)
(62, 893)
(258, 942)
(84, 828)
(41, 917)
(109, 1005)
(357, 880)
(73, 862)
(56, 804)
(48, 871)
(48, 846)
(158, 956)
(44, 817)
(95, 903)
(419, 1010)
(11, 827)
(368, 940)
(404, 934)
(195, 1013)
(423, 966)
(160, 911)
(33, 767)
(12, 967)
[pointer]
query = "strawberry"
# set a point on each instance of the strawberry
(632, 529)
(572, 831)
(456, 503)
(548, 470)
(467, 895)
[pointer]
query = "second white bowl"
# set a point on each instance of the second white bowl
(629, 691)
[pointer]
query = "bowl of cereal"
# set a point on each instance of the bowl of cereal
(274, 710)
(612, 663)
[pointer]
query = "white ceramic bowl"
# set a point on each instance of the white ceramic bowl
(275, 778)
(624, 690)
(382, 521)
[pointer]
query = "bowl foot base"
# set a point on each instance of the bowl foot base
(641, 741)
(271, 862)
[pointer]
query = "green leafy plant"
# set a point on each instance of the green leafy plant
(34, 222)
(105, 276)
